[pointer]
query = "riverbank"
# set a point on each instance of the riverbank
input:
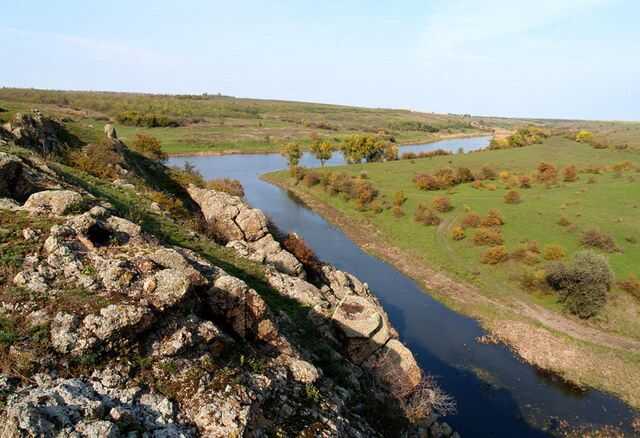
(432, 138)
(582, 355)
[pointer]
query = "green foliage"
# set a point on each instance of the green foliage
(292, 152)
(522, 137)
(583, 284)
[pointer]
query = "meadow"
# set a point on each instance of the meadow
(605, 197)
(224, 124)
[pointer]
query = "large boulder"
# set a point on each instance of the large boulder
(35, 131)
(395, 366)
(229, 216)
(110, 131)
(58, 202)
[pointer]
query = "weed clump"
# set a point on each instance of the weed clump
(596, 239)
(424, 215)
(512, 197)
(442, 204)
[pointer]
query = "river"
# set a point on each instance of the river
(497, 394)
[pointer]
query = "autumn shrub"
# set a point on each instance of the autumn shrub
(426, 182)
(553, 252)
(471, 220)
(365, 193)
(477, 184)
(596, 239)
(592, 180)
(187, 175)
(493, 219)
(570, 174)
(424, 215)
(547, 173)
(464, 175)
(149, 146)
(100, 159)
(442, 204)
(524, 182)
(397, 211)
(311, 179)
(631, 285)
(299, 248)
(504, 175)
(487, 173)
(582, 285)
(512, 197)
(458, 233)
(564, 222)
(531, 280)
(445, 177)
(495, 255)
(168, 203)
(399, 198)
(227, 185)
(488, 237)
(376, 207)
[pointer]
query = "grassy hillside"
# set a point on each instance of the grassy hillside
(222, 124)
(604, 198)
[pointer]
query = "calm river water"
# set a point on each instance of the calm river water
(497, 395)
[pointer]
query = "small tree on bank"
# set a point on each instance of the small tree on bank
(292, 152)
(322, 150)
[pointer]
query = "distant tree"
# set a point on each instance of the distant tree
(149, 146)
(322, 150)
(292, 153)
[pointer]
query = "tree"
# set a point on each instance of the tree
(149, 146)
(363, 147)
(292, 153)
(322, 150)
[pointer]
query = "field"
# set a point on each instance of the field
(608, 201)
(223, 124)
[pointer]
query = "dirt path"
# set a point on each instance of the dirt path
(369, 238)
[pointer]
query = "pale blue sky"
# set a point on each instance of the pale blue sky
(552, 58)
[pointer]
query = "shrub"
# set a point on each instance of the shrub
(425, 216)
(149, 120)
(512, 197)
(532, 280)
(582, 286)
(592, 180)
(464, 174)
(99, 159)
(584, 137)
(553, 252)
(477, 184)
(397, 211)
(311, 179)
(365, 193)
(399, 198)
(442, 204)
(471, 220)
(504, 175)
(426, 182)
(570, 174)
(547, 173)
(445, 177)
(487, 173)
(149, 146)
(595, 239)
(488, 237)
(299, 248)
(227, 185)
(524, 182)
(493, 219)
(631, 285)
(564, 222)
(495, 255)
(457, 233)
(188, 174)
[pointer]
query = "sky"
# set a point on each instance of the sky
(520, 58)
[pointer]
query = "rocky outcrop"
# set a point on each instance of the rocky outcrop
(55, 201)
(180, 346)
(342, 306)
(35, 131)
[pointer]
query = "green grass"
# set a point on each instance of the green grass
(611, 205)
